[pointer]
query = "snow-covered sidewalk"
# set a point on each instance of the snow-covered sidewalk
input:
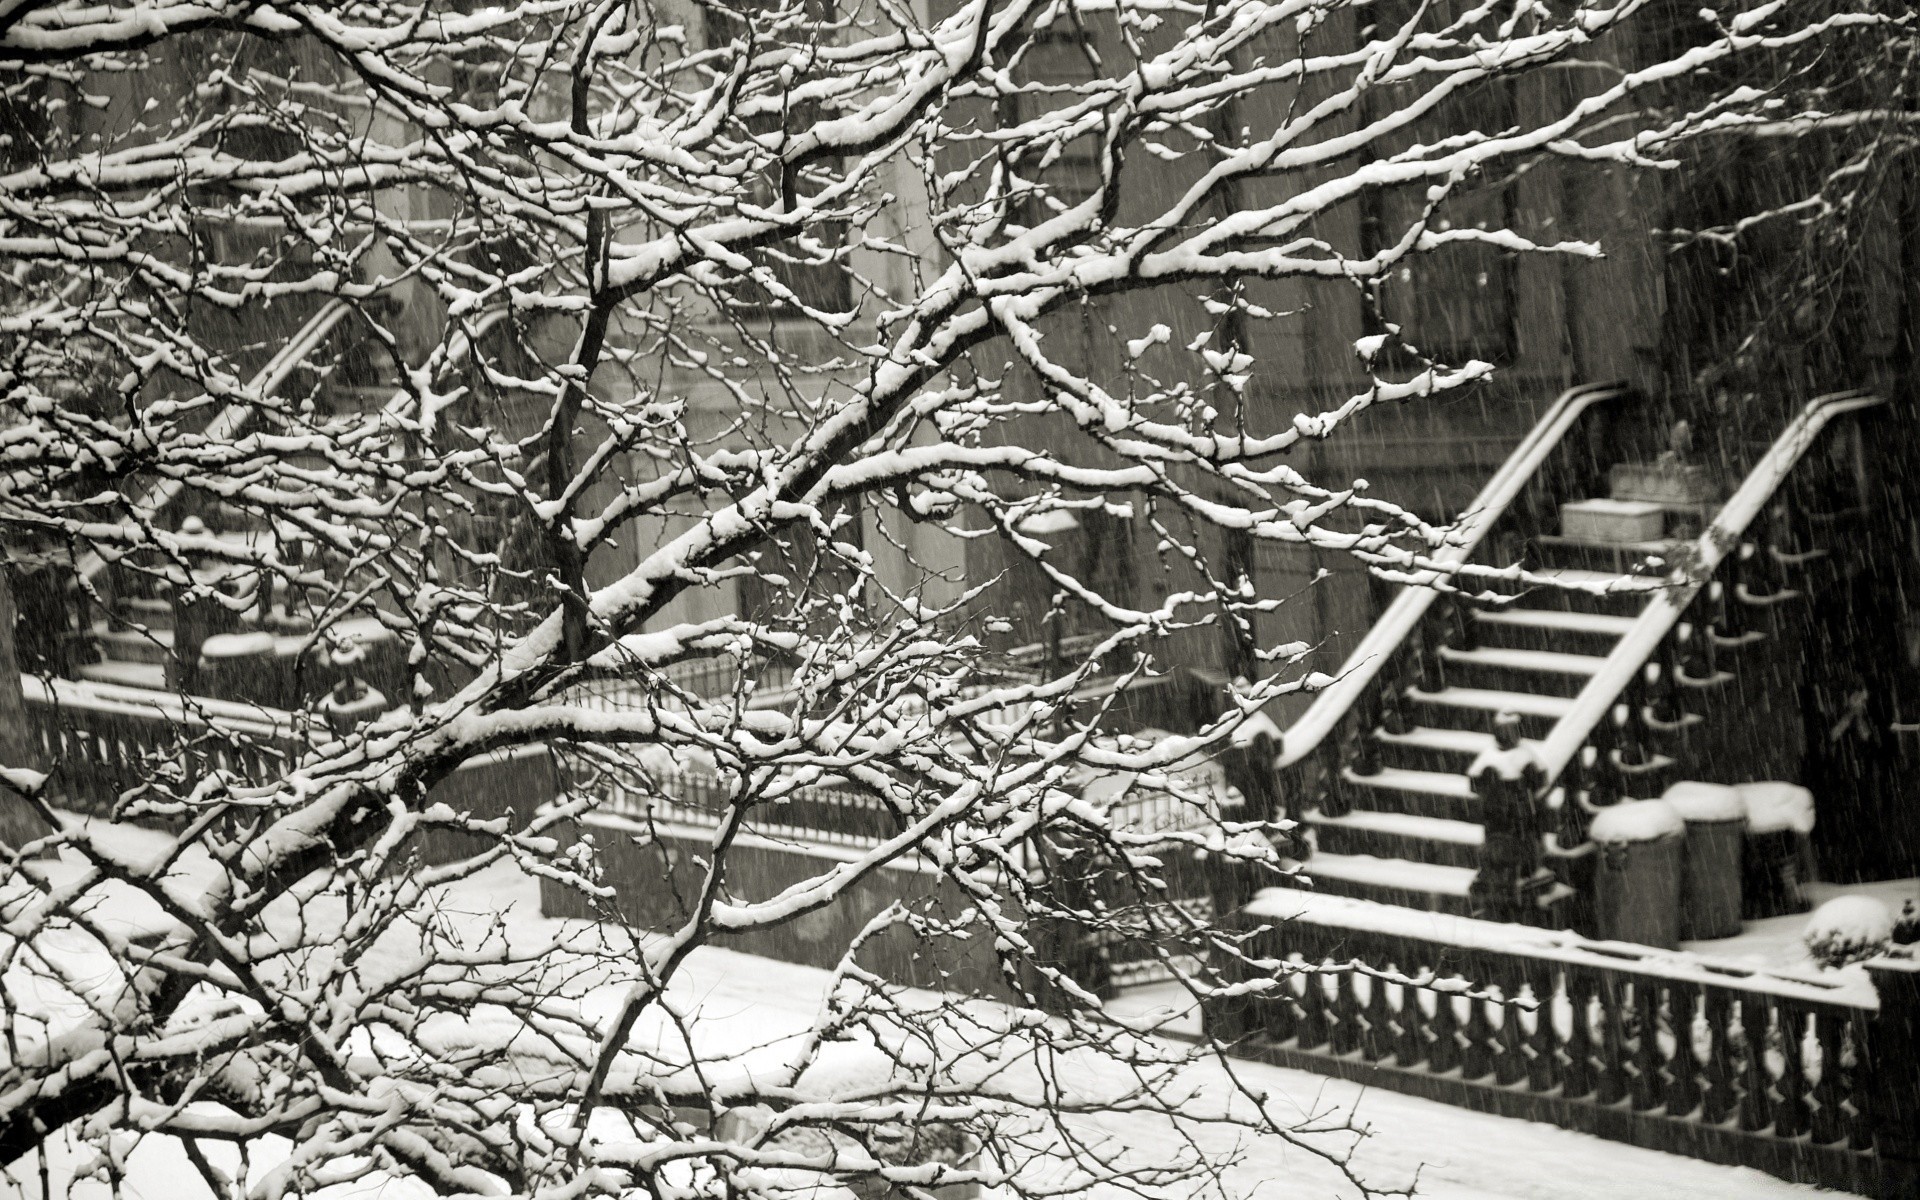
(1455, 1154)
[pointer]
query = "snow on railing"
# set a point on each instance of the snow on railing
(1667, 1050)
(1403, 615)
(1849, 987)
(834, 816)
(1631, 654)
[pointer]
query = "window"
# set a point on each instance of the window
(1457, 302)
(1063, 174)
(799, 263)
(810, 576)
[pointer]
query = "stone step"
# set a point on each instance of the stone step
(1617, 558)
(1583, 591)
(128, 674)
(1430, 840)
(133, 646)
(1435, 794)
(1476, 708)
(1541, 672)
(1389, 881)
(1550, 629)
(1425, 748)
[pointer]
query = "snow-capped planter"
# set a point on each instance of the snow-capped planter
(1704, 802)
(1848, 929)
(1637, 882)
(1774, 807)
(1637, 821)
(1778, 855)
(1716, 820)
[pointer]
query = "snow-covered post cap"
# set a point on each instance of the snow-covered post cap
(1509, 758)
(1705, 803)
(1775, 807)
(1637, 821)
(237, 645)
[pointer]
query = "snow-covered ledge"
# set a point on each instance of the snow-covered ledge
(1852, 986)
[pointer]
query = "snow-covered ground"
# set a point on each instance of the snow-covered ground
(1455, 1153)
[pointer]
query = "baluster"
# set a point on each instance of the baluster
(1345, 1033)
(1577, 1074)
(1827, 1121)
(1604, 785)
(1613, 1043)
(1393, 700)
(1760, 573)
(1683, 1064)
(1476, 1037)
(1409, 1021)
(1630, 717)
(1729, 615)
(1281, 1013)
(1510, 1039)
(1855, 1079)
(1312, 1029)
(1790, 1102)
(1462, 632)
(1755, 1082)
(1698, 664)
(1377, 1042)
(1363, 753)
(1721, 1094)
(1335, 800)
(1643, 1071)
(1570, 819)
(1443, 1050)
(1430, 671)
(1663, 703)
(1542, 1039)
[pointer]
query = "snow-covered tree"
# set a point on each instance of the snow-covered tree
(571, 354)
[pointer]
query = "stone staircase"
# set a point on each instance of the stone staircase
(1412, 833)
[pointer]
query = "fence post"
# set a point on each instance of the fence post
(1893, 1086)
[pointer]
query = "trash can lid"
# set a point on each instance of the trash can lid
(1636, 821)
(1696, 801)
(1774, 807)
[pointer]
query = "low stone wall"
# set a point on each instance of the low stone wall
(656, 882)
(519, 782)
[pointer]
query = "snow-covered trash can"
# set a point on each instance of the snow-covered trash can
(1636, 898)
(1716, 820)
(1778, 854)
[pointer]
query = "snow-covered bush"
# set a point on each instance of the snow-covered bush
(1848, 929)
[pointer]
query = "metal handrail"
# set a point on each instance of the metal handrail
(1630, 655)
(1402, 616)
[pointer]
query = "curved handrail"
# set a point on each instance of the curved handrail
(1630, 655)
(1332, 702)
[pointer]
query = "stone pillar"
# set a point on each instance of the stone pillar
(1892, 1049)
